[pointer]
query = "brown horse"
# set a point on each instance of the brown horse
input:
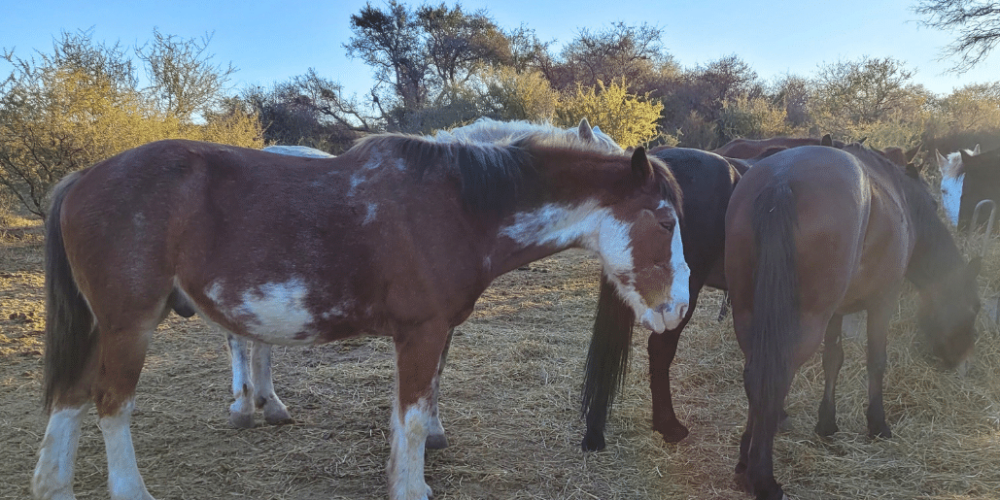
(752, 148)
(813, 233)
(398, 237)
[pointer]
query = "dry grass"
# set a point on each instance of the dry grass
(510, 400)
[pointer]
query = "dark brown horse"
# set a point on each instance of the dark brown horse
(707, 180)
(753, 148)
(398, 237)
(981, 182)
(813, 233)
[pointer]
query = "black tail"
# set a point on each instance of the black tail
(70, 331)
(607, 361)
(775, 324)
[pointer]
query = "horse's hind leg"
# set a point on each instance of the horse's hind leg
(275, 412)
(122, 353)
(833, 359)
(878, 328)
(436, 439)
(53, 478)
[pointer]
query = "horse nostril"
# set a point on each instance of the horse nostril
(682, 310)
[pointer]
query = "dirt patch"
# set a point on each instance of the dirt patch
(510, 404)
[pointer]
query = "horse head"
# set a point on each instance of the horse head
(947, 315)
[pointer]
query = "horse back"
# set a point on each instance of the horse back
(327, 244)
(847, 244)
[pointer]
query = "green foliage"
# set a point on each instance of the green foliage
(629, 119)
(753, 118)
(80, 105)
(510, 95)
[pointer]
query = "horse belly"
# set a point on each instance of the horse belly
(277, 313)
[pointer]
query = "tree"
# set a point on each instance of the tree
(634, 53)
(869, 89)
(628, 118)
(977, 23)
(425, 57)
(183, 80)
(80, 104)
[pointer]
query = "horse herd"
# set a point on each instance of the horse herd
(400, 235)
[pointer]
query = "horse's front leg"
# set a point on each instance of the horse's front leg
(241, 411)
(878, 329)
(275, 412)
(437, 440)
(833, 359)
(418, 354)
(662, 349)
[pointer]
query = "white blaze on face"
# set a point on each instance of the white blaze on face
(951, 196)
(669, 315)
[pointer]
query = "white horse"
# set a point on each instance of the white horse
(952, 179)
(253, 387)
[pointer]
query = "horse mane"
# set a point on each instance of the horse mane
(491, 175)
(510, 132)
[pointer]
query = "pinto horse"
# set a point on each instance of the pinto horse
(813, 233)
(252, 383)
(952, 177)
(706, 180)
(399, 237)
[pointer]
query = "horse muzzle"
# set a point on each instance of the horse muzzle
(665, 317)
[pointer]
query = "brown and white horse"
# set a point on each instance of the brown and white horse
(398, 237)
(252, 384)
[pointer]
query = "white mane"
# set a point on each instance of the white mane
(502, 133)
(298, 151)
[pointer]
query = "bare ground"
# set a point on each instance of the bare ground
(510, 398)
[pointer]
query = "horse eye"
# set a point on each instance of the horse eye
(669, 225)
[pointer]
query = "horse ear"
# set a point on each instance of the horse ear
(941, 160)
(966, 156)
(863, 139)
(975, 265)
(641, 168)
(975, 151)
(827, 140)
(586, 133)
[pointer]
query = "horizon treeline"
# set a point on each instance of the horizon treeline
(437, 67)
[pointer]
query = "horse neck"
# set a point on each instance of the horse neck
(551, 228)
(935, 255)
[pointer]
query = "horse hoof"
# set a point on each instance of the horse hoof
(278, 417)
(824, 429)
(742, 482)
(241, 420)
(437, 441)
(883, 433)
(593, 442)
(672, 433)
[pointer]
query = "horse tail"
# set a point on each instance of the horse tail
(607, 361)
(70, 329)
(776, 308)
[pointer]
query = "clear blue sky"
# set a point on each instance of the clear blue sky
(271, 41)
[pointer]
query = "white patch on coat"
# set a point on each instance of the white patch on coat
(361, 176)
(124, 480)
(273, 312)
(53, 478)
(406, 458)
(371, 210)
